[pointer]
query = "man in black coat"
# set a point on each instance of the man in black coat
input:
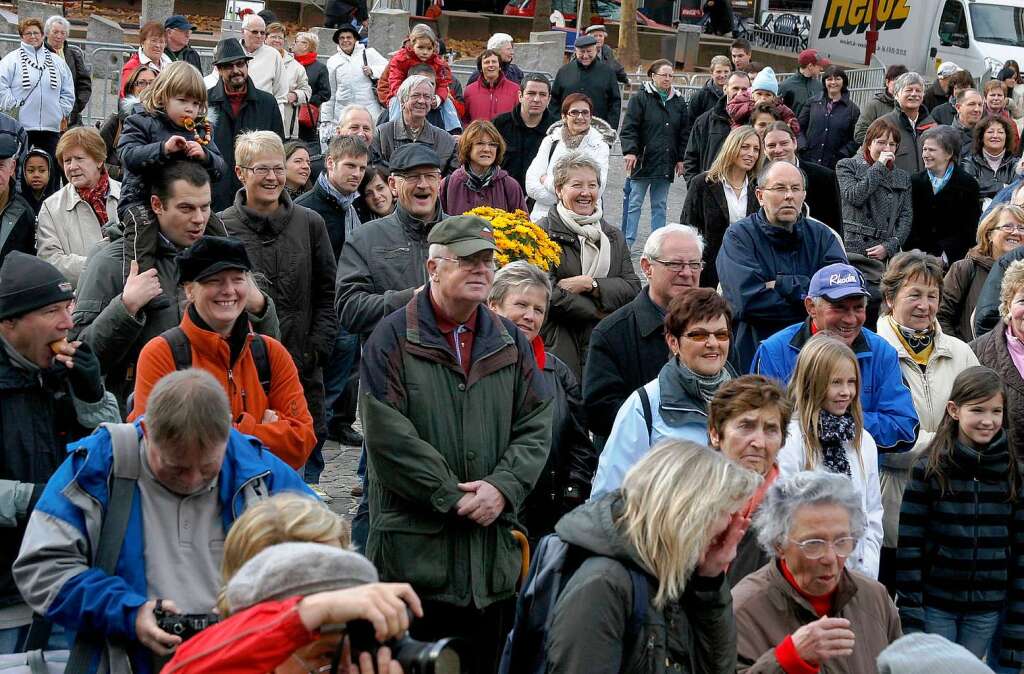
(57, 29)
(235, 106)
(585, 74)
(606, 54)
(627, 348)
(823, 200)
(709, 131)
(177, 33)
(525, 126)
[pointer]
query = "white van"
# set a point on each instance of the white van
(977, 35)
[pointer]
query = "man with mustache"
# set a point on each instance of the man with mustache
(767, 259)
(111, 292)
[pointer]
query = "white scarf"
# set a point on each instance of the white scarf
(595, 248)
(30, 61)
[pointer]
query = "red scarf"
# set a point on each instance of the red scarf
(822, 604)
(236, 99)
(97, 197)
(306, 58)
(538, 352)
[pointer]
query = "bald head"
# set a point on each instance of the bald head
(781, 191)
(254, 32)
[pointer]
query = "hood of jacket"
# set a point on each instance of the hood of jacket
(592, 527)
(598, 128)
(48, 189)
(886, 98)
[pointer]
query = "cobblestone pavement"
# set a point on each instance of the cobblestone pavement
(339, 474)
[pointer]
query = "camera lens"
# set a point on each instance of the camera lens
(420, 657)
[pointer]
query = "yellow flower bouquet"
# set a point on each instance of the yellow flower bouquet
(518, 238)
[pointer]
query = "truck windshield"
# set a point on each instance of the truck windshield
(998, 24)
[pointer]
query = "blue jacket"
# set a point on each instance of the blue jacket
(889, 413)
(57, 579)
(1004, 195)
(754, 253)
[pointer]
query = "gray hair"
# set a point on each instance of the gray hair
(948, 139)
(806, 488)
(652, 249)
(762, 175)
(55, 20)
(905, 80)
(499, 40)
(311, 38)
(519, 275)
(410, 83)
(250, 20)
(437, 250)
(188, 409)
(355, 107)
(570, 162)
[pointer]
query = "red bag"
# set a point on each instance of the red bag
(309, 116)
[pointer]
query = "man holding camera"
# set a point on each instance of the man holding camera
(457, 423)
(194, 475)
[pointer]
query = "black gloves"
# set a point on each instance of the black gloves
(84, 377)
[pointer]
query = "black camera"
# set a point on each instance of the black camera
(416, 657)
(184, 625)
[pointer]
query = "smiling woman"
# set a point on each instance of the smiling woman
(480, 180)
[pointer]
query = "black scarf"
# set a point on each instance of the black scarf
(833, 433)
(478, 183)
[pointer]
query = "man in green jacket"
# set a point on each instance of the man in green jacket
(457, 422)
(804, 84)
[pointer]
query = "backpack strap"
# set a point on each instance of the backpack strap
(261, 358)
(645, 402)
(551, 152)
(124, 440)
(638, 614)
(181, 348)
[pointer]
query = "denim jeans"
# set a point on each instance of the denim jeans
(993, 651)
(973, 631)
(338, 370)
(12, 639)
(659, 204)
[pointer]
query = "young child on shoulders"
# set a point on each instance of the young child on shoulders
(423, 47)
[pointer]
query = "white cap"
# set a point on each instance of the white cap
(948, 68)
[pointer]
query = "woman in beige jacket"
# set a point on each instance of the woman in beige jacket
(75, 218)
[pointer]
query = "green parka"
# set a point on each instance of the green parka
(429, 427)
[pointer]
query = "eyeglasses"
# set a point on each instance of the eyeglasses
(678, 266)
(264, 171)
(785, 191)
(31, 33)
(234, 65)
(415, 178)
(421, 97)
(578, 113)
(471, 263)
(1011, 227)
(256, 32)
(815, 548)
(705, 336)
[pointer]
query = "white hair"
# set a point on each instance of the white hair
(349, 109)
(905, 80)
(410, 83)
(437, 250)
(311, 38)
(652, 249)
(54, 20)
(250, 20)
(806, 488)
(499, 40)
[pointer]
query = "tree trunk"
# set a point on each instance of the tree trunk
(541, 16)
(583, 17)
(629, 44)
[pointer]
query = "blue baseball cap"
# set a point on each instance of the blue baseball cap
(180, 22)
(837, 282)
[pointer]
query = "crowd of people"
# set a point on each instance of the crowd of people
(783, 440)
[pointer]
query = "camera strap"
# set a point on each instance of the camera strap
(124, 440)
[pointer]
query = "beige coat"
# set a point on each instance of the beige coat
(68, 229)
(768, 609)
(930, 391)
(297, 82)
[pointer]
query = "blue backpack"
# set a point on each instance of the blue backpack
(554, 562)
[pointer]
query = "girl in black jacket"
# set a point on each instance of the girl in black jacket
(961, 547)
(172, 127)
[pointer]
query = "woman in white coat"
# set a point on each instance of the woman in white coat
(827, 433)
(353, 74)
(578, 131)
(297, 81)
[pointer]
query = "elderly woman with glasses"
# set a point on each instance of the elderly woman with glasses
(675, 404)
(152, 41)
(595, 275)
(804, 611)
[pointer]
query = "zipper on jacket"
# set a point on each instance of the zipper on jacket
(974, 548)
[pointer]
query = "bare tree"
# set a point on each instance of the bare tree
(629, 43)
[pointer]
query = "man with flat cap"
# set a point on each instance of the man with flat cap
(586, 74)
(457, 422)
(17, 219)
(51, 393)
(605, 53)
(178, 32)
(236, 105)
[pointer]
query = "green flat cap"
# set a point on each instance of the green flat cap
(464, 235)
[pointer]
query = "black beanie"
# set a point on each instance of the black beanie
(28, 283)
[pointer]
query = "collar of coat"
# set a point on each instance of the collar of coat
(783, 595)
(653, 90)
(493, 343)
(940, 342)
(649, 318)
(217, 94)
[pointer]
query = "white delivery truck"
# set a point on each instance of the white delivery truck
(977, 35)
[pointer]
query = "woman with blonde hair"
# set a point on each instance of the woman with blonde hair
(669, 533)
(282, 518)
(999, 232)
(827, 432)
(724, 194)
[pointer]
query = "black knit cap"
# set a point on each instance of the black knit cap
(28, 283)
(209, 255)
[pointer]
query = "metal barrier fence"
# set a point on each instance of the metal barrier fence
(780, 41)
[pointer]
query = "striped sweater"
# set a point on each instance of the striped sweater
(963, 551)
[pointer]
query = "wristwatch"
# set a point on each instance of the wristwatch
(593, 284)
